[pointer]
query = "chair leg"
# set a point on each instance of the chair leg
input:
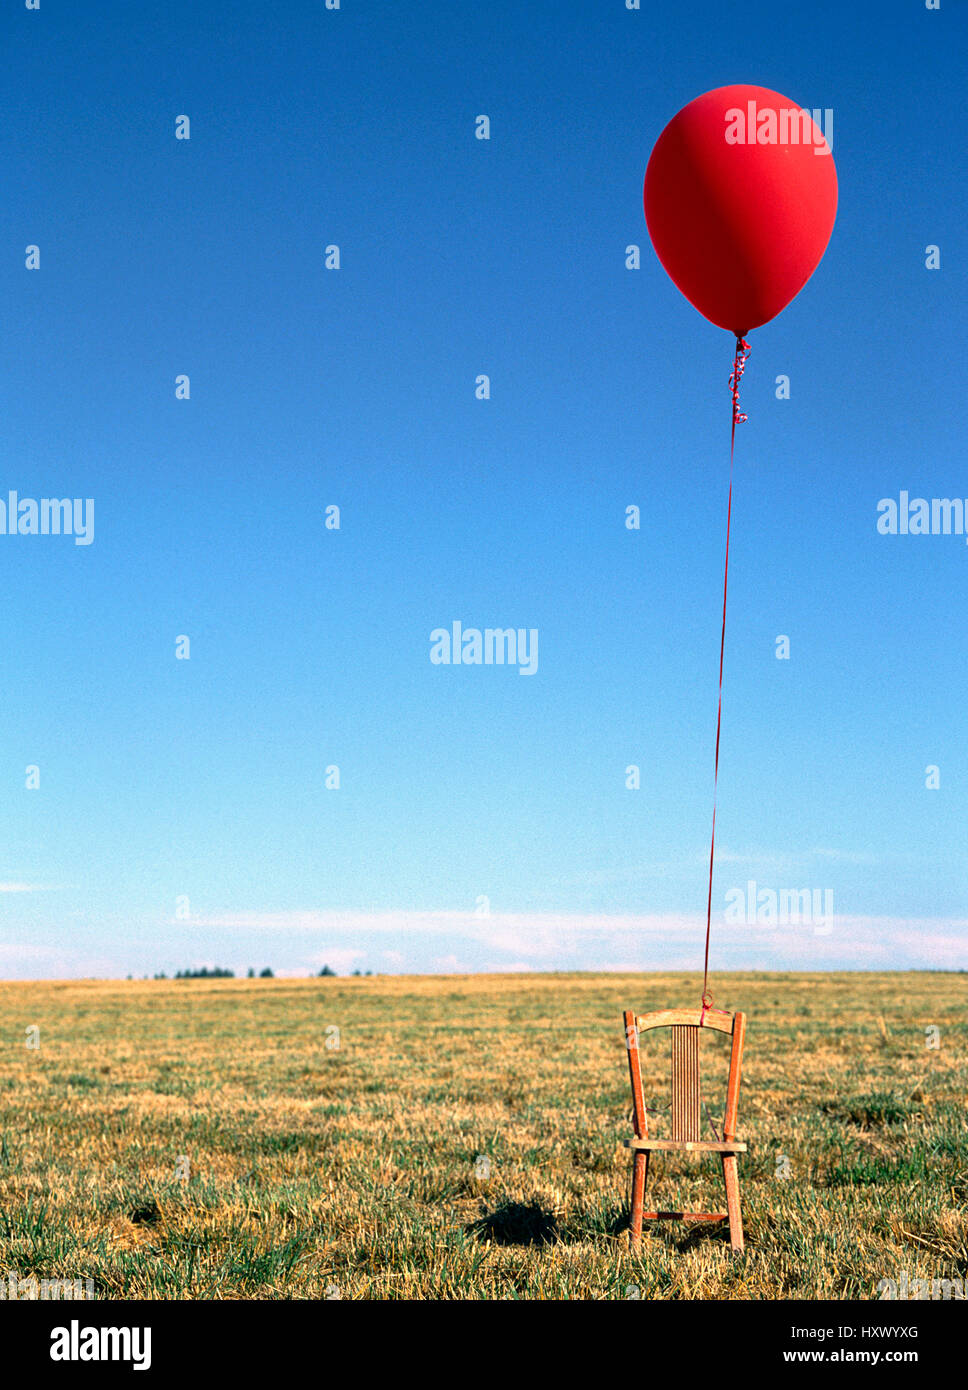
(640, 1173)
(731, 1182)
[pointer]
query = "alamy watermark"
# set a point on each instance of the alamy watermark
(753, 906)
(494, 646)
(788, 126)
(14, 1287)
(922, 516)
(77, 1343)
(48, 516)
(904, 1288)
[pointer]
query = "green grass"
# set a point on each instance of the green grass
(464, 1140)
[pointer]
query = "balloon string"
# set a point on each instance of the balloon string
(738, 418)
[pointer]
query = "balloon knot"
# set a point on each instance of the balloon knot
(743, 350)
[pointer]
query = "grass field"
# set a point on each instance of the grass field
(463, 1138)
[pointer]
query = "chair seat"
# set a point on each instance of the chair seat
(730, 1146)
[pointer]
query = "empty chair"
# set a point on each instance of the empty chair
(686, 1027)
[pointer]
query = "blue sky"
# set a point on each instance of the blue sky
(482, 821)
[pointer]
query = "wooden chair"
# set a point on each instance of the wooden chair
(686, 1026)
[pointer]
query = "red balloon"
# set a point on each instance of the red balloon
(740, 200)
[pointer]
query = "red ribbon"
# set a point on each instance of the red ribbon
(739, 366)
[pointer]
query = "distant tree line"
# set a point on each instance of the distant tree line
(218, 973)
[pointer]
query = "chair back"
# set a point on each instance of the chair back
(686, 1027)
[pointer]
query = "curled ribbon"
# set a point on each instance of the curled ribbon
(739, 366)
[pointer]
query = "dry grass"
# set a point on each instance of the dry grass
(357, 1172)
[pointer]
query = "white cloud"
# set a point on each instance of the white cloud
(11, 951)
(648, 941)
(449, 965)
(340, 959)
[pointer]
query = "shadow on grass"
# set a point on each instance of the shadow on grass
(698, 1233)
(517, 1223)
(146, 1214)
(673, 1235)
